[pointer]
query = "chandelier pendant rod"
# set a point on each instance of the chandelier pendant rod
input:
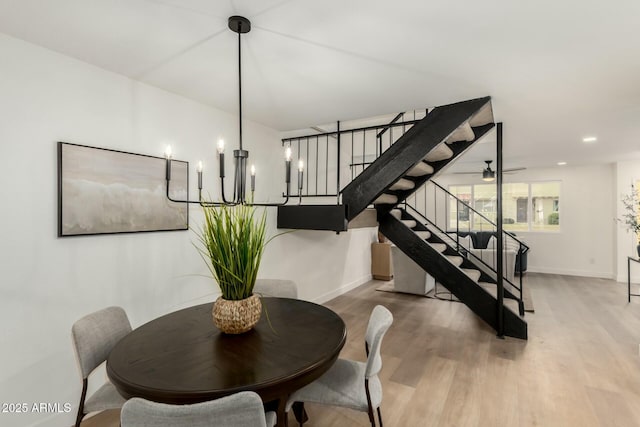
(239, 25)
(240, 84)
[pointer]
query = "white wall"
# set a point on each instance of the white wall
(47, 283)
(585, 244)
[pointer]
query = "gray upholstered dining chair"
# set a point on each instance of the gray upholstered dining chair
(94, 336)
(242, 409)
(280, 288)
(352, 384)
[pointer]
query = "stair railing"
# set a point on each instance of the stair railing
(449, 215)
(326, 153)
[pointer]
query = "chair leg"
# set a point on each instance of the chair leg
(300, 413)
(372, 419)
(379, 416)
(83, 396)
(369, 407)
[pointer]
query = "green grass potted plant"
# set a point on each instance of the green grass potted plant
(232, 241)
(630, 218)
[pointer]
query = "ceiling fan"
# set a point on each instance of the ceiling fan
(489, 174)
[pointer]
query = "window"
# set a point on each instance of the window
(458, 213)
(545, 197)
(525, 206)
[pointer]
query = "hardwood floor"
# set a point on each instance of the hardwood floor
(443, 367)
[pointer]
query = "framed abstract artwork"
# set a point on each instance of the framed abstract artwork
(102, 191)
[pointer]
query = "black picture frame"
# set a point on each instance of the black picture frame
(105, 191)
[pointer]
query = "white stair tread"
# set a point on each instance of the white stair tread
(462, 133)
(396, 213)
(424, 235)
(402, 184)
(409, 223)
(472, 273)
(483, 116)
(440, 152)
(455, 260)
(386, 199)
(420, 169)
(440, 247)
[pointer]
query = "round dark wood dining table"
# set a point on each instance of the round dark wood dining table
(182, 358)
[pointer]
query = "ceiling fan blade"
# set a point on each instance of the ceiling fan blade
(467, 173)
(513, 169)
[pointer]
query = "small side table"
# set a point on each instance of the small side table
(629, 294)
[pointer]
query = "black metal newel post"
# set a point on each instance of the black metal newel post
(499, 241)
(338, 165)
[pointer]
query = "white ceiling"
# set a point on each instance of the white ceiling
(557, 70)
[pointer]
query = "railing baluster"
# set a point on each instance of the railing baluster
(338, 164)
(326, 168)
(364, 147)
(298, 184)
(308, 163)
(353, 160)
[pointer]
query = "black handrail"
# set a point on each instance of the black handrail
(386, 128)
(522, 248)
(465, 253)
(513, 236)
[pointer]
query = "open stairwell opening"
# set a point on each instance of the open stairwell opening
(391, 165)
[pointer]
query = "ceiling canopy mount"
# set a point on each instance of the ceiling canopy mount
(239, 24)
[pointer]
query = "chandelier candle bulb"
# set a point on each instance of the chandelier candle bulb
(300, 173)
(199, 169)
(221, 156)
(287, 165)
(253, 178)
(167, 155)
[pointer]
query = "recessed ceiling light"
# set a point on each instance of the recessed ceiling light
(589, 139)
(562, 163)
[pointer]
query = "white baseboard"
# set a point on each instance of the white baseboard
(341, 290)
(622, 278)
(582, 273)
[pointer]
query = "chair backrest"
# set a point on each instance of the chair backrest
(95, 335)
(379, 322)
(276, 288)
(242, 409)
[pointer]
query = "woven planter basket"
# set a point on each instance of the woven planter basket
(236, 317)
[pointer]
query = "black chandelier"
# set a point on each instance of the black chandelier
(239, 25)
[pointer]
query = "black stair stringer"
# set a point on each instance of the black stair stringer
(407, 152)
(483, 304)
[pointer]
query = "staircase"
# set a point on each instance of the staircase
(431, 249)
(422, 151)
